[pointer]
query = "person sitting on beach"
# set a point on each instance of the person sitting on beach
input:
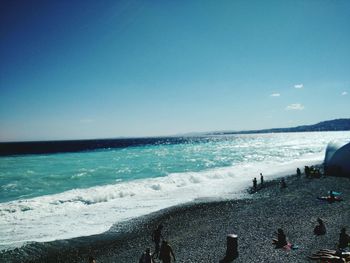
(166, 252)
(156, 236)
(281, 240)
(331, 256)
(283, 183)
(320, 229)
(307, 171)
(344, 239)
(146, 257)
(317, 173)
(92, 260)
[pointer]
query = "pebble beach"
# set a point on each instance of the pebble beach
(197, 231)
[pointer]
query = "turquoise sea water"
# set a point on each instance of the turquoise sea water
(55, 196)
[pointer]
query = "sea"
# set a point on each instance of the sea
(56, 190)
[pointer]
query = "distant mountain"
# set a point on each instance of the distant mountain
(332, 125)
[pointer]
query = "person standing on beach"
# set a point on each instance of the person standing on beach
(166, 252)
(156, 236)
(298, 172)
(255, 184)
(261, 180)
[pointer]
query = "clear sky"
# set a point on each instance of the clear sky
(99, 69)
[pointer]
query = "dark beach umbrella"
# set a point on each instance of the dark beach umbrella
(337, 163)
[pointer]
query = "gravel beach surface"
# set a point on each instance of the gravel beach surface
(197, 231)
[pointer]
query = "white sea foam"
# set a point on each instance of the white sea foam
(82, 212)
(93, 210)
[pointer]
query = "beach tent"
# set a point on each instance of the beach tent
(337, 160)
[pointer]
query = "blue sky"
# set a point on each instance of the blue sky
(99, 69)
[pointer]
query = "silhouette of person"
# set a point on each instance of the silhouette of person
(298, 172)
(344, 239)
(261, 179)
(307, 171)
(156, 236)
(281, 240)
(255, 184)
(146, 257)
(283, 183)
(166, 252)
(320, 229)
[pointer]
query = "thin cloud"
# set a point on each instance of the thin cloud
(295, 106)
(275, 95)
(344, 93)
(298, 86)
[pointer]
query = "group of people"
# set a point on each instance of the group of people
(255, 182)
(338, 255)
(283, 183)
(312, 172)
(162, 250)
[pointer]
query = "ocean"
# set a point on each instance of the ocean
(53, 193)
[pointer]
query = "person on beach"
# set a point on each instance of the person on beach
(283, 183)
(281, 240)
(298, 172)
(320, 229)
(344, 239)
(92, 260)
(146, 257)
(307, 171)
(326, 255)
(166, 252)
(156, 236)
(331, 197)
(261, 180)
(255, 184)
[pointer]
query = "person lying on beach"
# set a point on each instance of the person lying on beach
(344, 239)
(331, 198)
(281, 240)
(320, 229)
(326, 255)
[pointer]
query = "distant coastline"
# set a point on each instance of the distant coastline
(331, 125)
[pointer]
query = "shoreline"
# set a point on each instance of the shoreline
(197, 230)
